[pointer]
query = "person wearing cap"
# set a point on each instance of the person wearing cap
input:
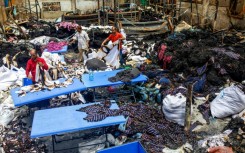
(83, 42)
(34, 65)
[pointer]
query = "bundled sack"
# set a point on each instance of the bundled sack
(230, 101)
(174, 108)
(95, 64)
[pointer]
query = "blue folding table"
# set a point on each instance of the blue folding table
(50, 122)
(101, 80)
(62, 50)
(32, 97)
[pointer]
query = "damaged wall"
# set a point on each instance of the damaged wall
(223, 20)
(55, 8)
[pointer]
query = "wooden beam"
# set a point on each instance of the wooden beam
(205, 4)
(188, 108)
(3, 16)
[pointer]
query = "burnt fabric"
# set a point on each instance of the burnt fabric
(125, 75)
(99, 112)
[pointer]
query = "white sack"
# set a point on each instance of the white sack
(6, 116)
(230, 101)
(174, 108)
(7, 79)
(42, 40)
(8, 103)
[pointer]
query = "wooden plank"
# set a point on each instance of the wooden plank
(3, 16)
(205, 5)
(188, 108)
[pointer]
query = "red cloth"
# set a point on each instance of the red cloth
(162, 57)
(31, 66)
(115, 37)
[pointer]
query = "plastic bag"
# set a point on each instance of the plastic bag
(174, 108)
(230, 101)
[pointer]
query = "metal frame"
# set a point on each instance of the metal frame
(115, 95)
(54, 142)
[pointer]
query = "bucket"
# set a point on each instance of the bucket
(26, 82)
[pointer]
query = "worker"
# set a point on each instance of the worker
(35, 65)
(83, 42)
(114, 37)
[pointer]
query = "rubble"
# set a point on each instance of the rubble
(210, 61)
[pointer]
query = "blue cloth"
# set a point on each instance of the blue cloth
(33, 97)
(164, 80)
(66, 119)
(101, 79)
(63, 50)
(199, 85)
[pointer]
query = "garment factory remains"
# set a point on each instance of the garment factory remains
(209, 61)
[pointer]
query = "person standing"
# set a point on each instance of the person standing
(34, 66)
(83, 42)
(114, 37)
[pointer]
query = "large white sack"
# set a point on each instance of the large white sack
(174, 108)
(42, 40)
(7, 79)
(6, 116)
(8, 103)
(230, 100)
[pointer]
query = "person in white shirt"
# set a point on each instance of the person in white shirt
(83, 42)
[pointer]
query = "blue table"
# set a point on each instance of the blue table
(32, 97)
(50, 122)
(63, 50)
(101, 79)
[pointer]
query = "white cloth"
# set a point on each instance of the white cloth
(112, 58)
(82, 39)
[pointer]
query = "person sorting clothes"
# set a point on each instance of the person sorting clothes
(83, 42)
(114, 37)
(35, 66)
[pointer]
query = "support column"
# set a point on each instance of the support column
(73, 5)
(205, 5)
(115, 5)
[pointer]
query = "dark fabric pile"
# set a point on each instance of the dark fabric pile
(157, 131)
(192, 49)
(148, 15)
(236, 138)
(17, 138)
(125, 75)
(97, 36)
(13, 50)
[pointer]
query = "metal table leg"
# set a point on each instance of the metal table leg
(53, 139)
